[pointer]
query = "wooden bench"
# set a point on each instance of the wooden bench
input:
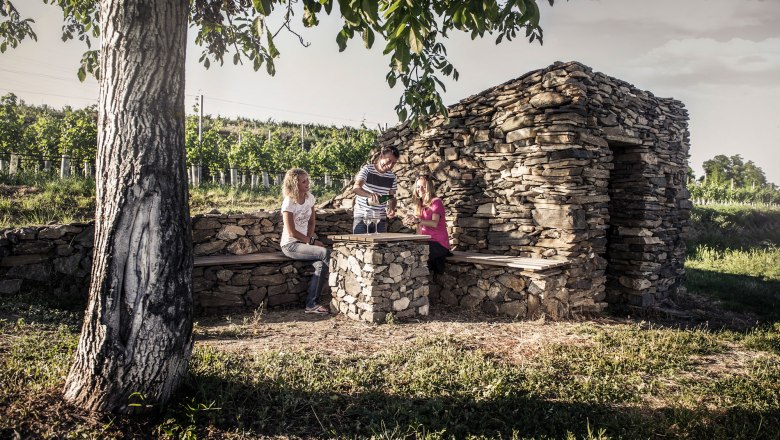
(528, 264)
(258, 258)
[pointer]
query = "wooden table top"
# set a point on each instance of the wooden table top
(381, 237)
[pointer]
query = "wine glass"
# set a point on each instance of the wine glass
(367, 221)
(375, 221)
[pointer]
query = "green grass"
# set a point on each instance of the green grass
(734, 227)
(619, 381)
(742, 280)
(734, 258)
(62, 201)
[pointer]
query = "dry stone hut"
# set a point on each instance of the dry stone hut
(564, 163)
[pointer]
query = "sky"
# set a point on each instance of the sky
(721, 58)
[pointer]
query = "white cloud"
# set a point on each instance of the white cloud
(703, 61)
(754, 19)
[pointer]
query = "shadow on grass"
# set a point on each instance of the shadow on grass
(738, 293)
(266, 409)
(36, 306)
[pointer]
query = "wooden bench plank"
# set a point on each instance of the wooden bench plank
(218, 260)
(380, 237)
(533, 264)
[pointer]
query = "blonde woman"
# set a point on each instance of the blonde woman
(428, 218)
(298, 239)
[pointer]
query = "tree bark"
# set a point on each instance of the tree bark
(136, 339)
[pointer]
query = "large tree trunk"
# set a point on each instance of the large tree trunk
(137, 334)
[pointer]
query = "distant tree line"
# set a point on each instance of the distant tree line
(37, 133)
(729, 179)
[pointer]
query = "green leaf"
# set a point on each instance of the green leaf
(416, 42)
(368, 38)
(341, 40)
(391, 78)
(272, 51)
(371, 10)
(82, 74)
(309, 18)
(263, 6)
(258, 26)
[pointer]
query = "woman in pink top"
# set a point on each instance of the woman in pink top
(429, 219)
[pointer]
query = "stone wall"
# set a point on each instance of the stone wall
(59, 258)
(502, 290)
(261, 231)
(56, 256)
(563, 163)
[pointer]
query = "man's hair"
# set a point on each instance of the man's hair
(384, 150)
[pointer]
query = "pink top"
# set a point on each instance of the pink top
(439, 233)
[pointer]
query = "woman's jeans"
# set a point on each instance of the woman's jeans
(359, 227)
(320, 256)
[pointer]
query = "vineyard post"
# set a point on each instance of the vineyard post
(14, 167)
(200, 138)
(65, 167)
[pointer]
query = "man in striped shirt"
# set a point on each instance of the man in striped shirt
(372, 181)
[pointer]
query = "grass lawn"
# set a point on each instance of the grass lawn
(283, 374)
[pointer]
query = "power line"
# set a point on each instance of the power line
(43, 75)
(93, 100)
(287, 111)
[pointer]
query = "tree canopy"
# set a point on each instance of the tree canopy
(724, 169)
(411, 31)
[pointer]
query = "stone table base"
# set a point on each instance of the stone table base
(379, 281)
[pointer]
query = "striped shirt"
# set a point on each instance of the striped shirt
(374, 182)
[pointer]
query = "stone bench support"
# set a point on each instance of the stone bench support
(511, 286)
(239, 283)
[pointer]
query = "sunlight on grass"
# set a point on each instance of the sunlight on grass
(758, 262)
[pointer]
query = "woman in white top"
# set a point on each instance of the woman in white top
(298, 239)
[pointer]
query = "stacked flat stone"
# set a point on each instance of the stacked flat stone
(563, 163)
(261, 231)
(374, 282)
(241, 288)
(503, 290)
(58, 257)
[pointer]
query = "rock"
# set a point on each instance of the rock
(242, 246)
(36, 272)
(10, 287)
(549, 99)
(209, 248)
(231, 232)
(68, 265)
